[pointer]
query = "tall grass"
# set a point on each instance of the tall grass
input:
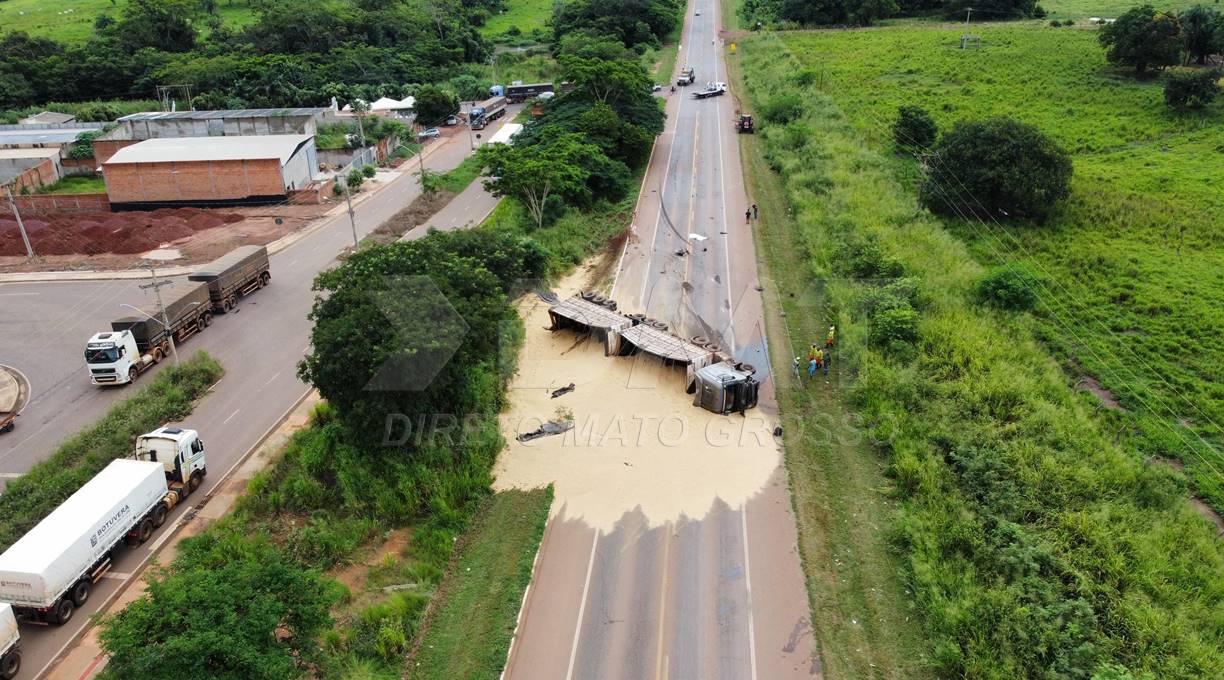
(1035, 545)
(169, 397)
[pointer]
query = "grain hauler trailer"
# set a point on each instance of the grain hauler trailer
(137, 343)
(51, 570)
(236, 274)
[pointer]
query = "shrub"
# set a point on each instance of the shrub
(1191, 90)
(782, 108)
(98, 113)
(368, 171)
(1008, 288)
(996, 168)
(354, 179)
(894, 325)
(914, 129)
(338, 189)
(865, 259)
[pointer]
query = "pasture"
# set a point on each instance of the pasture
(526, 15)
(73, 20)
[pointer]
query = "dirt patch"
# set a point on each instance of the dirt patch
(109, 241)
(599, 275)
(355, 575)
(417, 213)
(1210, 513)
(1107, 398)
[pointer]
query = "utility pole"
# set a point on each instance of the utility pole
(352, 216)
(968, 11)
(156, 286)
(20, 225)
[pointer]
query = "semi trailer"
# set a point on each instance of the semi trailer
(487, 111)
(238, 273)
(518, 92)
(51, 570)
(135, 344)
(10, 650)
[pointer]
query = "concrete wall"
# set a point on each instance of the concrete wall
(105, 148)
(198, 182)
(300, 168)
(219, 127)
(30, 173)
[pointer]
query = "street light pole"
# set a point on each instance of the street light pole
(352, 216)
(165, 321)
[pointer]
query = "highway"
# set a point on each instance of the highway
(714, 594)
(43, 328)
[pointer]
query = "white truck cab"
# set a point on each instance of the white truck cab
(113, 358)
(10, 651)
(180, 451)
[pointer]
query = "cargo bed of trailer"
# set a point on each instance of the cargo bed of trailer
(240, 272)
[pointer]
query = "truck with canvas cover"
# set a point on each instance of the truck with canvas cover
(518, 92)
(50, 571)
(10, 650)
(137, 343)
(240, 272)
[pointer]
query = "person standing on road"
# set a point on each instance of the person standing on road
(756, 214)
(748, 216)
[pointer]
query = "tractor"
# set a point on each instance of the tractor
(744, 125)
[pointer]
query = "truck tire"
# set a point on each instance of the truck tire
(157, 355)
(205, 320)
(159, 515)
(80, 592)
(145, 530)
(264, 279)
(194, 481)
(10, 664)
(132, 373)
(63, 611)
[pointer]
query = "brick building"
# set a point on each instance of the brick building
(209, 171)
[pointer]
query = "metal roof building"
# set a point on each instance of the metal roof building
(209, 171)
(230, 122)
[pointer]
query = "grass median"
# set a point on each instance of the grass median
(169, 397)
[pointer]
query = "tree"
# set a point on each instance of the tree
(1142, 38)
(1201, 33)
(996, 168)
(915, 129)
(252, 616)
(98, 113)
(162, 24)
(553, 165)
(1192, 90)
(433, 105)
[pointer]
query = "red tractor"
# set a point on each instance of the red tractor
(744, 125)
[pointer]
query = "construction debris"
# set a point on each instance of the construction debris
(563, 390)
(547, 430)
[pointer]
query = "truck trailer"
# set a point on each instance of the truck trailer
(51, 570)
(238, 273)
(487, 111)
(135, 344)
(518, 92)
(10, 650)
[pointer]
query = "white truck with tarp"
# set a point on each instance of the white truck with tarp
(10, 650)
(51, 570)
(135, 344)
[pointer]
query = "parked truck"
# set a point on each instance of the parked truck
(240, 272)
(687, 76)
(135, 344)
(51, 570)
(487, 111)
(518, 92)
(711, 90)
(10, 650)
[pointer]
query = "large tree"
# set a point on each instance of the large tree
(996, 169)
(1142, 38)
(554, 165)
(161, 24)
(434, 104)
(1202, 33)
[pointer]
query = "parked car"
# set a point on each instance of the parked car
(429, 133)
(451, 120)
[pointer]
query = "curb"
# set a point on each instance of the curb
(274, 247)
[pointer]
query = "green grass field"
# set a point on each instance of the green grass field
(1132, 262)
(1081, 9)
(76, 185)
(526, 15)
(73, 20)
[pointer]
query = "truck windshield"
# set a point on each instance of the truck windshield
(101, 356)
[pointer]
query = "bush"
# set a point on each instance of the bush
(1191, 90)
(338, 189)
(894, 325)
(98, 113)
(915, 129)
(354, 178)
(996, 168)
(1008, 288)
(782, 108)
(368, 171)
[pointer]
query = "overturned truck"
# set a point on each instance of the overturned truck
(718, 384)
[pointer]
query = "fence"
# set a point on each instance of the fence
(48, 203)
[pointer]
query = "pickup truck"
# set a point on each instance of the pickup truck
(711, 90)
(687, 76)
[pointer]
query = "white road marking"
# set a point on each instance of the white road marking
(748, 587)
(231, 416)
(586, 586)
(117, 575)
(271, 379)
(17, 294)
(660, 657)
(11, 475)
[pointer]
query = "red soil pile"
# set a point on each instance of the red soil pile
(92, 233)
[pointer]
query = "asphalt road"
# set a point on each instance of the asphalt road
(720, 596)
(44, 326)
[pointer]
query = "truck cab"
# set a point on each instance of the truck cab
(180, 451)
(686, 76)
(113, 358)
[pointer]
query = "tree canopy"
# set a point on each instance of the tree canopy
(552, 165)
(1142, 38)
(632, 22)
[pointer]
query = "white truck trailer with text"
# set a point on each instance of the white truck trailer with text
(51, 570)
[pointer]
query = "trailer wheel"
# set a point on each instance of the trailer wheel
(264, 279)
(80, 592)
(10, 664)
(159, 515)
(132, 374)
(145, 530)
(205, 320)
(63, 611)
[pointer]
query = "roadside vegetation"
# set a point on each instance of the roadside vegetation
(1039, 534)
(166, 398)
(75, 184)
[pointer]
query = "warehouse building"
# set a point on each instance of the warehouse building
(223, 123)
(209, 171)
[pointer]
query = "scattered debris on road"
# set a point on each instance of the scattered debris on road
(548, 429)
(563, 390)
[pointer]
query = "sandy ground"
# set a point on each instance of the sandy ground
(258, 227)
(638, 441)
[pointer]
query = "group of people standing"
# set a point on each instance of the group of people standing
(819, 357)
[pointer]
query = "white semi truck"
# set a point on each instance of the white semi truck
(10, 650)
(51, 570)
